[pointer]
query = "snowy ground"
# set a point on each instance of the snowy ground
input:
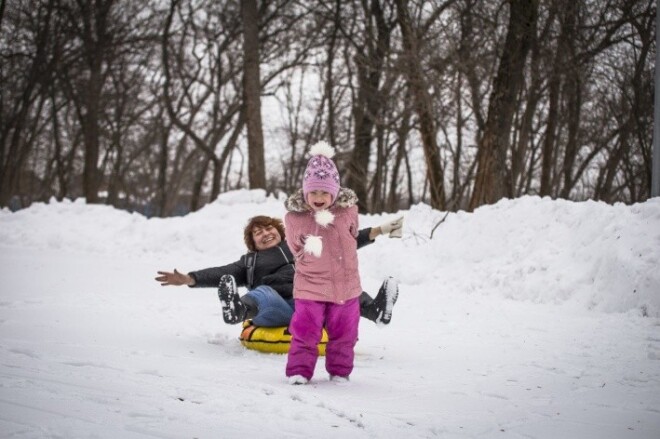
(531, 318)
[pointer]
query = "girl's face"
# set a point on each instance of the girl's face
(319, 200)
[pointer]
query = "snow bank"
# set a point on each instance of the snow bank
(589, 254)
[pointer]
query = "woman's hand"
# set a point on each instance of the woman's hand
(393, 228)
(176, 278)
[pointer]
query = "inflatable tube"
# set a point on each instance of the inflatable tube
(271, 340)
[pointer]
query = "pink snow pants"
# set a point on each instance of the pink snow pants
(341, 323)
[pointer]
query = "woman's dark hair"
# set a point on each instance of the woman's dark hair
(261, 221)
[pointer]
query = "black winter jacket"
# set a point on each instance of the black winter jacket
(273, 267)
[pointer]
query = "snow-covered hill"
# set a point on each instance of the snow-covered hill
(529, 318)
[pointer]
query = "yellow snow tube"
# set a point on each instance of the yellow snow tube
(271, 340)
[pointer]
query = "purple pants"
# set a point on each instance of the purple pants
(341, 323)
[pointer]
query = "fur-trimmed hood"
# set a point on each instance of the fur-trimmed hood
(296, 202)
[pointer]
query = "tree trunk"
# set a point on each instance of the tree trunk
(490, 183)
(455, 199)
(2, 12)
(402, 132)
(608, 172)
(368, 106)
(89, 121)
(548, 151)
(381, 171)
(520, 152)
(161, 186)
(252, 94)
(574, 104)
(330, 82)
(13, 123)
(96, 44)
(423, 107)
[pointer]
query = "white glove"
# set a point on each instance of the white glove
(394, 228)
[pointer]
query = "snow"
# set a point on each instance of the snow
(530, 318)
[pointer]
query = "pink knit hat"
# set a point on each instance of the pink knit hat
(321, 172)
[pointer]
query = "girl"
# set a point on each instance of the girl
(321, 227)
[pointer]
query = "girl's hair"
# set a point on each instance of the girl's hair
(261, 221)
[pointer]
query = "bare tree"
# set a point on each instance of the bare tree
(202, 93)
(149, 103)
(423, 105)
(490, 184)
(252, 94)
(368, 106)
(629, 159)
(91, 25)
(27, 66)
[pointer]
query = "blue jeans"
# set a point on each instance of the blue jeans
(272, 309)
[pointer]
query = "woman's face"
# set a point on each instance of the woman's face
(319, 200)
(265, 237)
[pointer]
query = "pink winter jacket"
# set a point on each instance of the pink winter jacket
(333, 276)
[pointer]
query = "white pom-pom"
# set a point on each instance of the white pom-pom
(314, 245)
(324, 217)
(322, 148)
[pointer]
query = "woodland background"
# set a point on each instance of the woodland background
(159, 106)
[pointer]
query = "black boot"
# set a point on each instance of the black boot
(380, 309)
(233, 309)
(367, 310)
(251, 308)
